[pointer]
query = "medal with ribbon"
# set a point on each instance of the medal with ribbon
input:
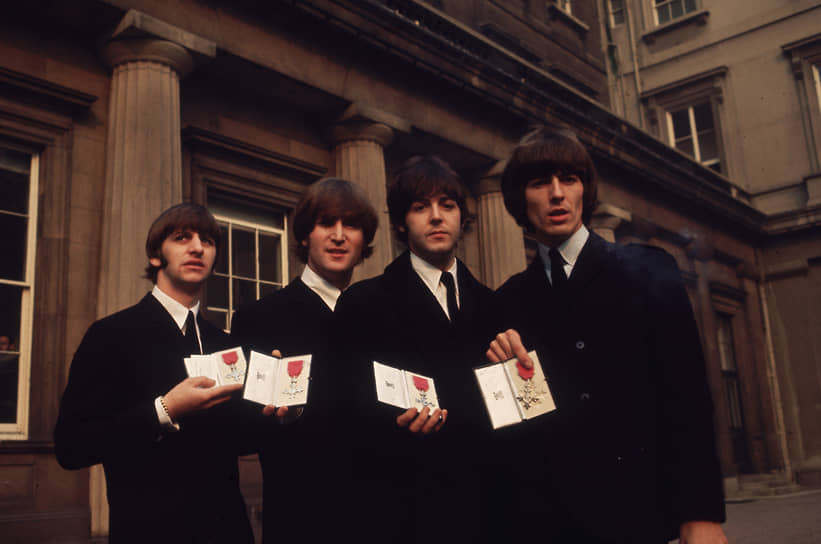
(527, 396)
(294, 370)
(231, 359)
(422, 386)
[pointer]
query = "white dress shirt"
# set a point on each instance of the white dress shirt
(319, 285)
(569, 250)
(432, 276)
(179, 313)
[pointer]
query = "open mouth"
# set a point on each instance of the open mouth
(557, 216)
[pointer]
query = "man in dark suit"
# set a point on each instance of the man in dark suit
(168, 444)
(333, 225)
(629, 453)
(424, 315)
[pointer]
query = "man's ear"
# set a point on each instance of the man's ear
(304, 243)
(156, 262)
(401, 228)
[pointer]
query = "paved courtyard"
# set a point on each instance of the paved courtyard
(793, 519)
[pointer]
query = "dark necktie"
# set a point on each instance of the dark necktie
(191, 334)
(557, 276)
(450, 287)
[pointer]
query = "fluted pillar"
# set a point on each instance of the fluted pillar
(501, 243)
(360, 136)
(143, 163)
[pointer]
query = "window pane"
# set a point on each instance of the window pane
(14, 181)
(663, 13)
(9, 378)
(267, 289)
(685, 145)
(676, 9)
(217, 292)
(242, 252)
(12, 263)
(10, 297)
(270, 266)
(707, 145)
(703, 114)
(222, 258)
(681, 123)
(689, 5)
(245, 292)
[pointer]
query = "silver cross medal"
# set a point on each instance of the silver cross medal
(235, 375)
(529, 397)
(293, 388)
(423, 398)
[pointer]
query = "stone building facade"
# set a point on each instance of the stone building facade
(111, 111)
(735, 85)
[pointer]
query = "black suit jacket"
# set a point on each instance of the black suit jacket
(301, 475)
(629, 453)
(162, 487)
(395, 319)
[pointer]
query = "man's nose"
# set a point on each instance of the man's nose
(196, 244)
(338, 230)
(556, 189)
(435, 213)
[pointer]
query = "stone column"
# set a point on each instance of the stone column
(360, 136)
(501, 242)
(143, 163)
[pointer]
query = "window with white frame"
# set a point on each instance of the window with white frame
(565, 6)
(253, 259)
(617, 12)
(692, 130)
(667, 10)
(18, 223)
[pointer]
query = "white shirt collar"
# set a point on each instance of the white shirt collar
(178, 311)
(319, 285)
(569, 250)
(430, 274)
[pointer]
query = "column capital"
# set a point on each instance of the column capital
(491, 181)
(609, 217)
(363, 122)
(140, 37)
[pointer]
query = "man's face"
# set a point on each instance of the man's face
(334, 249)
(5, 342)
(434, 225)
(554, 207)
(190, 259)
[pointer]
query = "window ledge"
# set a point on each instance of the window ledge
(697, 17)
(555, 12)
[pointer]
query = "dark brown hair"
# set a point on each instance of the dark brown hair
(327, 201)
(421, 177)
(185, 216)
(543, 152)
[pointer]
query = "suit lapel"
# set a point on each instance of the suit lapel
(421, 305)
(588, 265)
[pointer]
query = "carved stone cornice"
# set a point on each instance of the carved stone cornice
(140, 37)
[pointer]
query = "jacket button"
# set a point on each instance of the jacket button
(579, 345)
(585, 396)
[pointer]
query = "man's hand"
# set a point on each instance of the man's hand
(422, 422)
(280, 412)
(195, 395)
(701, 532)
(508, 345)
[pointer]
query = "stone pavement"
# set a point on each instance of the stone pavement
(786, 519)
